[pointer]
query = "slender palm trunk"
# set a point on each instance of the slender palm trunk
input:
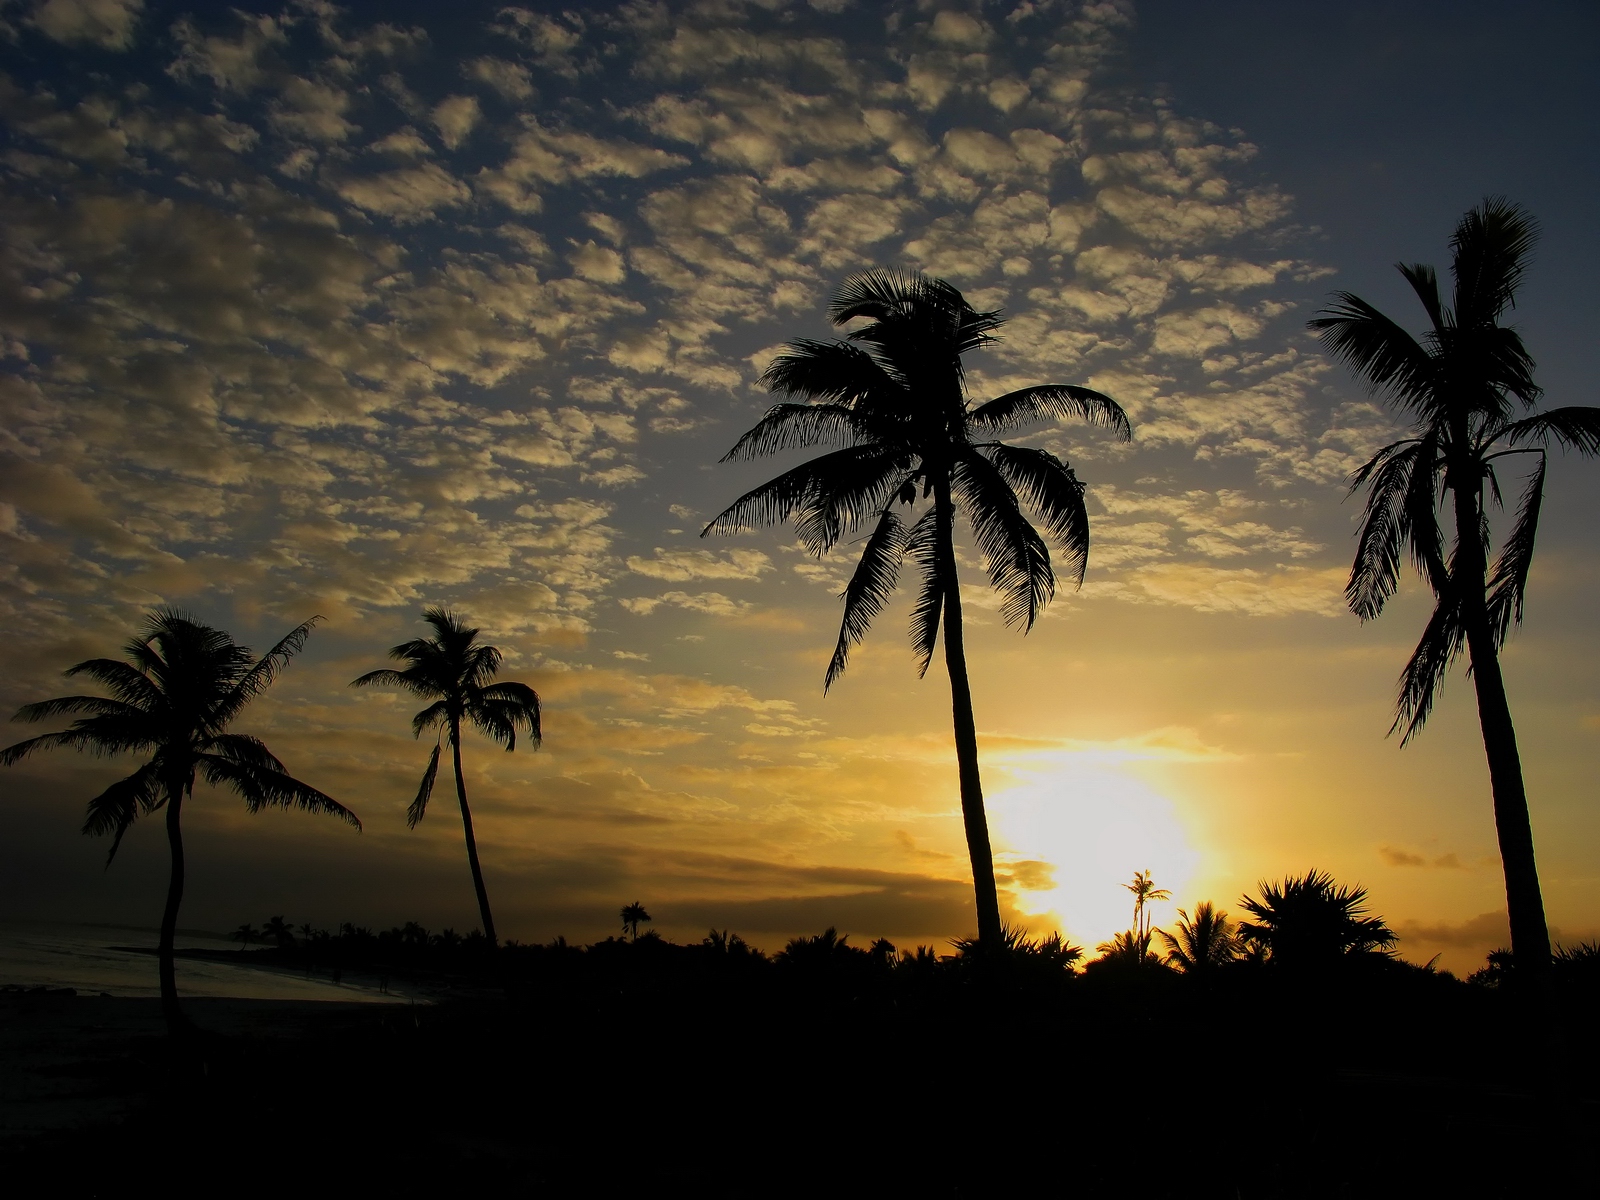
(177, 1023)
(472, 842)
(955, 658)
(1530, 936)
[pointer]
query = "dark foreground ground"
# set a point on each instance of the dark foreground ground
(639, 1083)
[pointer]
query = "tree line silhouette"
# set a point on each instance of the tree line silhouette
(912, 448)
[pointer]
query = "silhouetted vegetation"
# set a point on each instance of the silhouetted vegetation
(1461, 386)
(894, 396)
(457, 673)
(182, 687)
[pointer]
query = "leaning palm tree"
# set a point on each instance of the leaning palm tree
(184, 683)
(1203, 942)
(893, 396)
(1461, 386)
(456, 672)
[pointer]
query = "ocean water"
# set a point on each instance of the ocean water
(85, 957)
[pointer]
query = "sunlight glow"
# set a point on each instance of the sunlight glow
(1095, 825)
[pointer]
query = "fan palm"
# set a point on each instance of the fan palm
(1311, 921)
(893, 396)
(456, 672)
(1462, 385)
(1203, 942)
(184, 683)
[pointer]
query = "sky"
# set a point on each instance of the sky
(348, 310)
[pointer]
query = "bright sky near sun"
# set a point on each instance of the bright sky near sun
(345, 310)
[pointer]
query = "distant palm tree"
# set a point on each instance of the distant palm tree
(1203, 943)
(1309, 921)
(1461, 386)
(1144, 891)
(894, 396)
(246, 935)
(454, 671)
(278, 931)
(184, 683)
(634, 915)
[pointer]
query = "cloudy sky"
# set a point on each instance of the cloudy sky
(346, 310)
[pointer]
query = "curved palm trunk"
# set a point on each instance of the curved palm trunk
(955, 658)
(472, 842)
(1530, 936)
(177, 1023)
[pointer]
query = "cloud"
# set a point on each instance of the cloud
(1394, 856)
(108, 24)
(679, 565)
(1484, 932)
(711, 603)
(455, 117)
(410, 194)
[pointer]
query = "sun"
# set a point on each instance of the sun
(1076, 833)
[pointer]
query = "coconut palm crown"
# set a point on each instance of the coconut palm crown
(456, 672)
(182, 686)
(1466, 386)
(892, 396)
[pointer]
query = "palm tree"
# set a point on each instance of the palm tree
(455, 672)
(1202, 943)
(1310, 921)
(894, 397)
(1461, 385)
(277, 930)
(634, 915)
(1144, 891)
(183, 684)
(246, 935)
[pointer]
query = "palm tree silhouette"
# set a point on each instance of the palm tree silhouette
(454, 671)
(1461, 386)
(1203, 942)
(894, 395)
(184, 683)
(1309, 921)
(278, 931)
(1144, 891)
(634, 915)
(246, 935)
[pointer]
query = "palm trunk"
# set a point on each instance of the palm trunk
(177, 1023)
(472, 842)
(955, 658)
(1530, 936)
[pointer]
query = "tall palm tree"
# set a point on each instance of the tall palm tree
(1309, 921)
(184, 683)
(1203, 942)
(893, 396)
(1462, 385)
(456, 672)
(1144, 891)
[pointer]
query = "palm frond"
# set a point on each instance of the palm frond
(91, 735)
(1576, 428)
(1508, 583)
(125, 682)
(1490, 250)
(869, 589)
(419, 806)
(922, 547)
(262, 787)
(1383, 354)
(436, 712)
(1051, 402)
(266, 669)
(1052, 490)
(416, 683)
(116, 808)
(798, 426)
(1424, 281)
(61, 706)
(835, 371)
(243, 750)
(829, 493)
(1441, 644)
(1019, 561)
(518, 706)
